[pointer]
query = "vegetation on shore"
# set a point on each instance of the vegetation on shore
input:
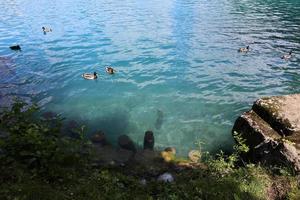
(40, 161)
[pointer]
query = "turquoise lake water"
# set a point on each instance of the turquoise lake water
(178, 69)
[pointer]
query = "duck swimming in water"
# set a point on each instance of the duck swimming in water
(287, 56)
(46, 30)
(90, 76)
(110, 70)
(244, 49)
(15, 47)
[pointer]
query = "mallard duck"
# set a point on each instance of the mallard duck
(110, 70)
(46, 30)
(244, 49)
(287, 56)
(90, 76)
(15, 47)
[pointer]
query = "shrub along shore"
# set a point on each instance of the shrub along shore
(40, 159)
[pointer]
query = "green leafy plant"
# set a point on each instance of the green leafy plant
(38, 144)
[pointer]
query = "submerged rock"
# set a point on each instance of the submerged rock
(126, 143)
(99, 138)
(149, 140)
(272, 131)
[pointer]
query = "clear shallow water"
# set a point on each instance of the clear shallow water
(179, 73)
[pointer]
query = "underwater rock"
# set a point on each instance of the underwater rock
(194, 155)
(126, 143)
(159, 119)
(272, 131)
(166, 177)
(149, 140)
(99, 138)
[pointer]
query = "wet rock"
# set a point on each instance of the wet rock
(272, 131)
(126, 143)
(99, 138)
(194, 155)
(149, 140)
(166, 177)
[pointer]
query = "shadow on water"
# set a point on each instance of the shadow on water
(159, 119)
(6, 69)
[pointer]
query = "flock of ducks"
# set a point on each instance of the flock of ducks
(88, 76)
(247, 49)
(91, 76)
(110, 70)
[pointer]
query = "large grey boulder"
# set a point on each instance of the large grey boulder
(272, 131)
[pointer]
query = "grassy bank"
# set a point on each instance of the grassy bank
(41, 160)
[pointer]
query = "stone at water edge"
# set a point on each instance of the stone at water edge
(99, 138)
(166, 177)
(272, 131)
(194, 155)
(126, 143)
(149, 140)
(281, 112)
